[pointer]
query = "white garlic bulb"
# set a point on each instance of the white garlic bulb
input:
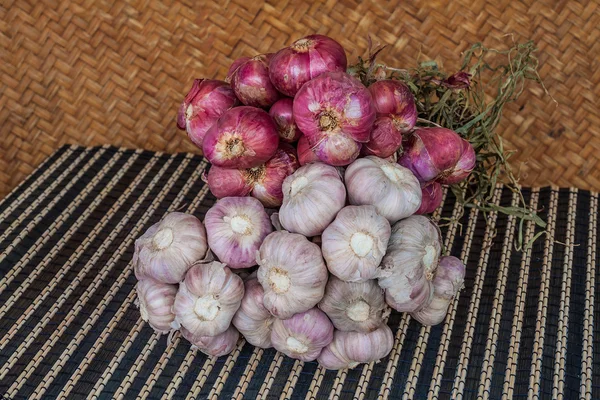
(236, 226)
(353, 306)
(302, 336)
(207, 299)
(348, 349)
(312, 196)
(155, 300)
(355, 242)
(410, 263)
(391, 188)
(292, 273)
(252, 319)
(214, 346)
(168, 248)
(448, 281)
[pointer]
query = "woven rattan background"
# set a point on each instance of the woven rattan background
(97, 72)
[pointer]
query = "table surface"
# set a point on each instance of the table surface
(526, 322)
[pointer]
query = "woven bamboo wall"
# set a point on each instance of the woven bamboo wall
(96, 72)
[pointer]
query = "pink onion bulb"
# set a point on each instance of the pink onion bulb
(206, 101)
(394, 99)
(251, 84)
(263, 182)
(305, 153)
(431, 199)
(282, 113)
(244, 137)
(385, 140)
(305, 59)
(438, 154)
(335, 112)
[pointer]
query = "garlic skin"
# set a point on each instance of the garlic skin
(355, 242)
(155, 300)
(410, 263)
(348, 349)
(353, 306)
(448, 281)
(168, 248)
(252, 319)
(207, 299)
(302, 336)
(312, 196)
(391, 188)
(236, 226)
(292, 273)
(213, 346)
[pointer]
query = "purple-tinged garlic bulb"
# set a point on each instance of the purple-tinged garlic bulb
(252, 319)
(155, 300)
(214, 346)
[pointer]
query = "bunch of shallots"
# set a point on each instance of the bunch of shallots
(343, 172)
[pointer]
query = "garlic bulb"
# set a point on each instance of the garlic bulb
(448, 281)
(236, 226)
(348, 349)
(252, 319)
(168, 248)
(207, 299)
(353, 306)
(355, 242)
(303, 336)
(410, 263)
(214, 346)
(312, 196)
(155, 300)
(292, 273)
(391, 188)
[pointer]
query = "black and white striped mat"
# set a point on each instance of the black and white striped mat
(526, 325)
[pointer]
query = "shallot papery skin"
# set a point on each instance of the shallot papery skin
(243, 137)
(207, 299)
(348, 349)
(431, 198)
(438, 154)
(385, 140)
(305, 59)
(252, 319)
(312, 197)
(292, 273)
(448, 281)
(251, 84)
(302, 336)
(213, 346)
(336, 113)
(155, 300)
(206, 101)
(228, 182)
(391, 188)
(355, 242)
(305, 153)
(236, 227)
(394, 99)
(169, 247)
(283, 115)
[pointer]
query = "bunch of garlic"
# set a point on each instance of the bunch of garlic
(236, 227)
(207, 299)
(355, 242)
(392, 189)
(348, 349)
(448, 281)
(410, 263)
(312, 196)
(353, 306)
(252, 319)
(291, 272)
(168, 248)
(302, 336)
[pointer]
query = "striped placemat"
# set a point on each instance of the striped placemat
(525, 325)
